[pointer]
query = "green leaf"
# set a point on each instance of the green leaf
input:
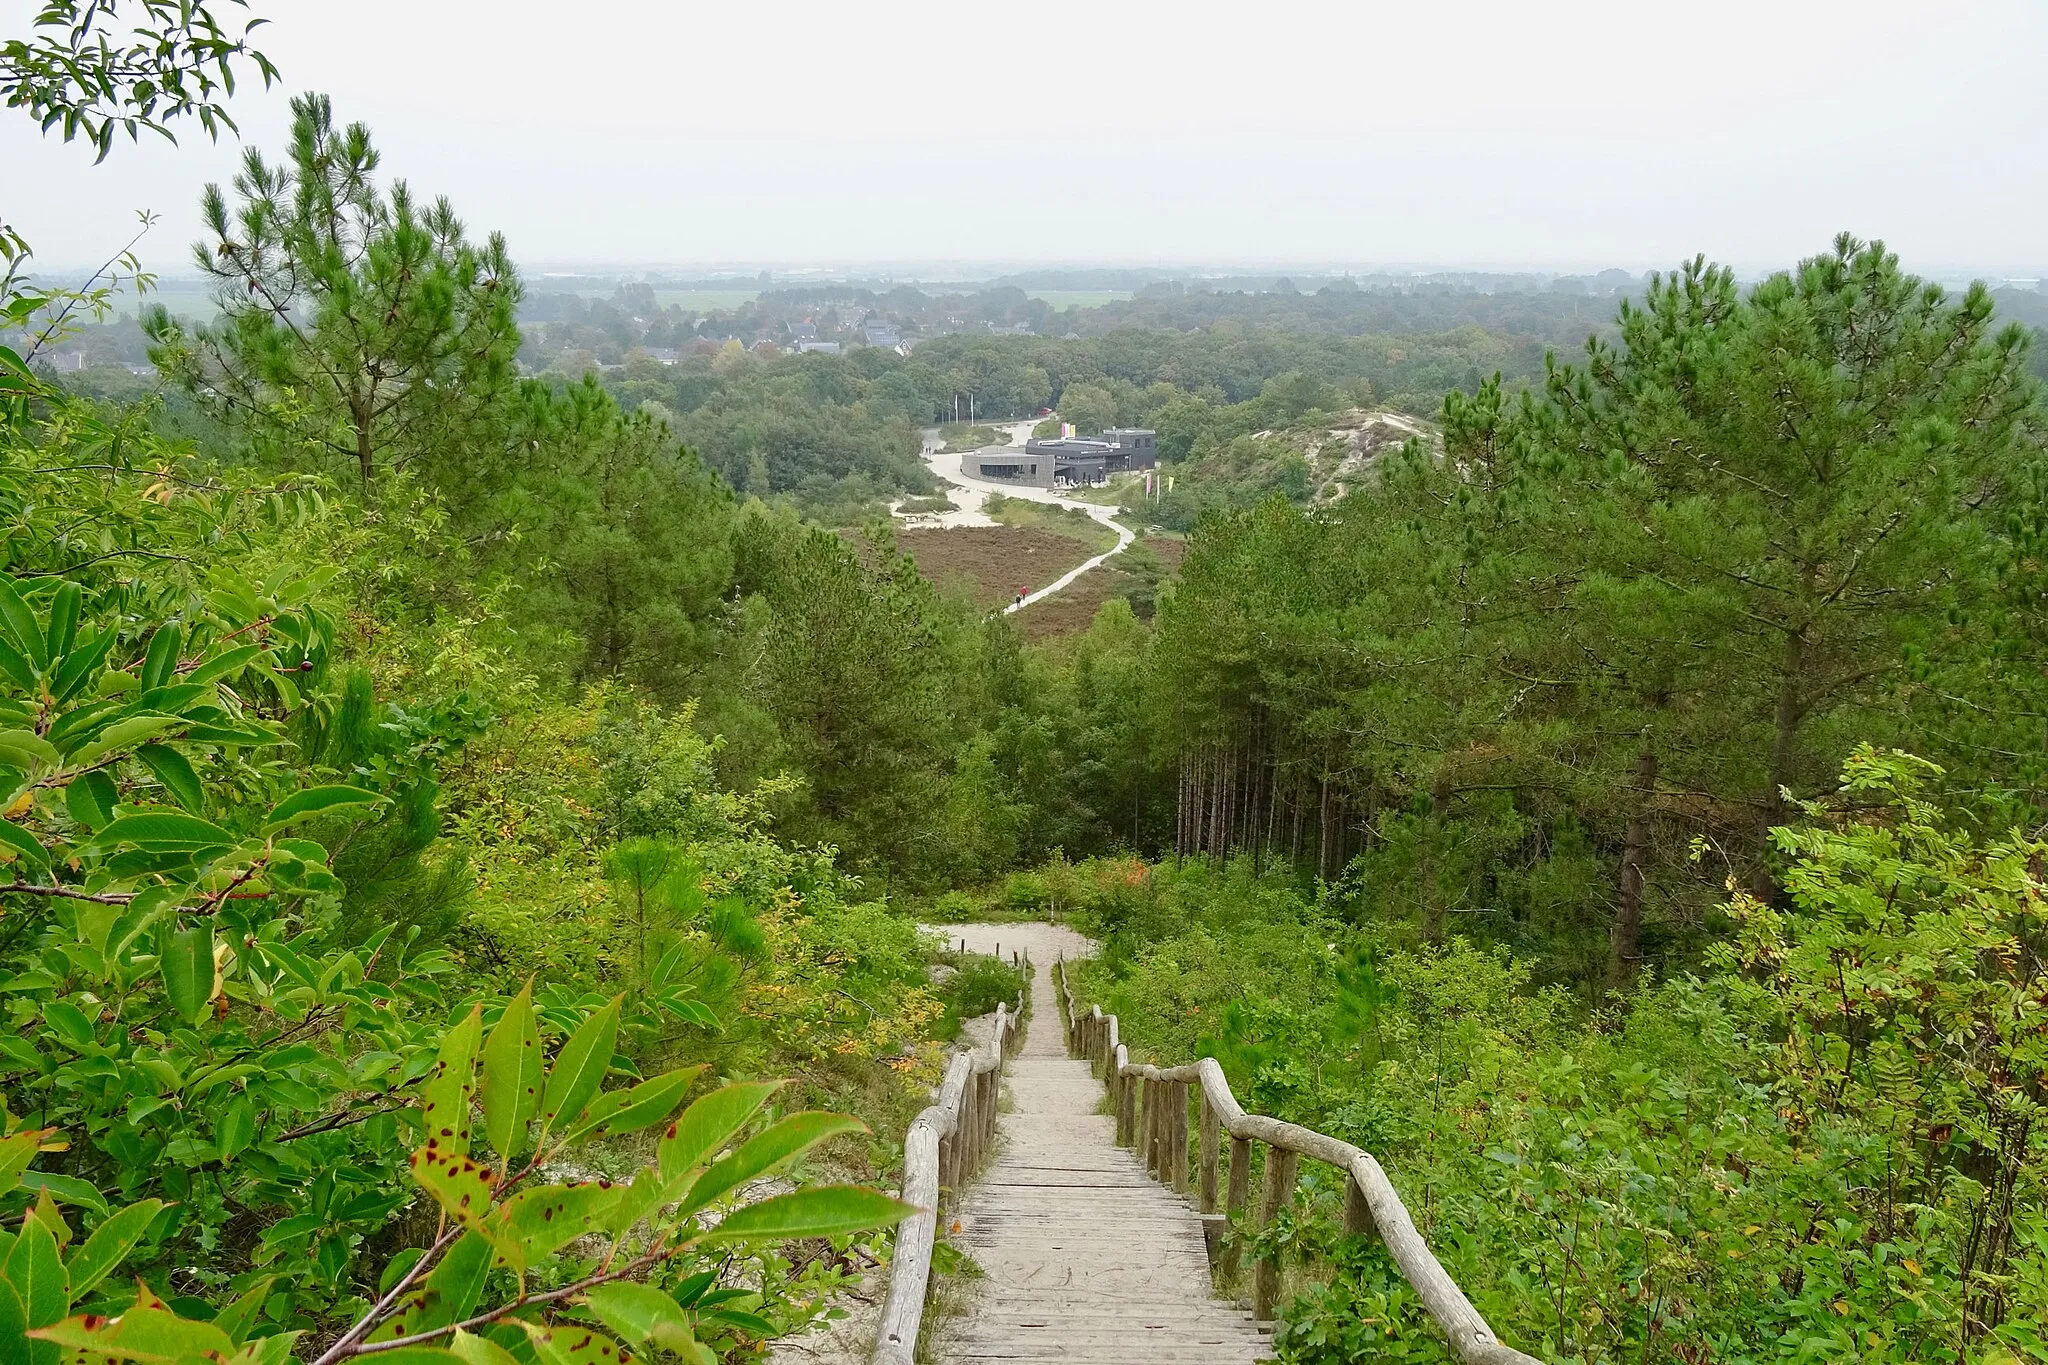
(172, 769)
(18, 841)
(709, 1124)
(766, 1150)
(242, 1314)
(161, 662)
(452, 1289)
(35, 1273)
(568, 1344)
(581, 1065)
(90, 798)
(303, 805)
(63, 626)
(475, 1350)
(541, 1220)
(512, 1075)
(226, 665)
(25, 749)
(822, 1211)
(236, 1128)
(67, 1189)
(153, 1335)
(188, 969)
(460, 1185)
(109, 1245)
(446, 1093)
(120, 736)
(82, 664)
(163, 830)
(628, 1111)
(15, 1154)
(23, 630)
(640, 1313)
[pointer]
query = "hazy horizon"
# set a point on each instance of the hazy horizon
(1476, 136)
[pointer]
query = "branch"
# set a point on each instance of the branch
(68, 893)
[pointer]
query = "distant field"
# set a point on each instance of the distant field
(992, 562)
(1081, 298)
(706, 300)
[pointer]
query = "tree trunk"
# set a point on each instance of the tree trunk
(1790, 711)
(1628, 914)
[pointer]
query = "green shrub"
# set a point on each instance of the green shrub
(981, 984)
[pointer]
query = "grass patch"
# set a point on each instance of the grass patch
(1064, 521)
(961, 436)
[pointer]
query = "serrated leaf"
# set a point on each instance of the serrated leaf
(450, 1085)
(512, 1075)
(822, 1211)
(765, 1151)
(109, 1245)
(710, 1123)
(174, 770)
(580, 1066)
(304, 805)
(187, 966)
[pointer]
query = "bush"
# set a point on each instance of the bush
(981, 984)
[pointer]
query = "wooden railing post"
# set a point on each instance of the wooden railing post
(1358, 1221)
(1240, 1193)
(1126, 1116)
(1211, 1140)
(1180, 1136)
(1282, 1166)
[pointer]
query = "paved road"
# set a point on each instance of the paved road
(946, 465)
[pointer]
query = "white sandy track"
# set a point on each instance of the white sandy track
(947, 465)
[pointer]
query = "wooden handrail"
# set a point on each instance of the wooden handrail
(1157, 1098)
(944, 1145)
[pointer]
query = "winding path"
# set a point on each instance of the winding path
(1087, 1259)
(948, 466)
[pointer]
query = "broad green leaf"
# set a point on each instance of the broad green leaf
(188, 969)
(645, 1193)
(227, 664)
(535, 1222)
(640, 1313)
(90, 798)
(83, 664)
(766, 1150)
(17, 667)
(34, 1271)
(753, 1324)
(161, 660)
(643, 1106)
(580, 1065)
(22, 845)
(174, 770)
(452, 1289)
(23, 630)
(163, 829)
(512, 1075)
(244, 1311)
(461, 1186)
(25, 749)
(568, 1344)
(710, 1123)
(446, 1093)
(109, 1245)
(154, 1335)
(63, 626)
(823, 1211)
(303, 805)
(122, 735)
(476, 1350)
(15, 1154)
(70, 1023)
(236, 1127)
(68, 1189)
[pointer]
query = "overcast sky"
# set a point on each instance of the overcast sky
(1569, 134)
